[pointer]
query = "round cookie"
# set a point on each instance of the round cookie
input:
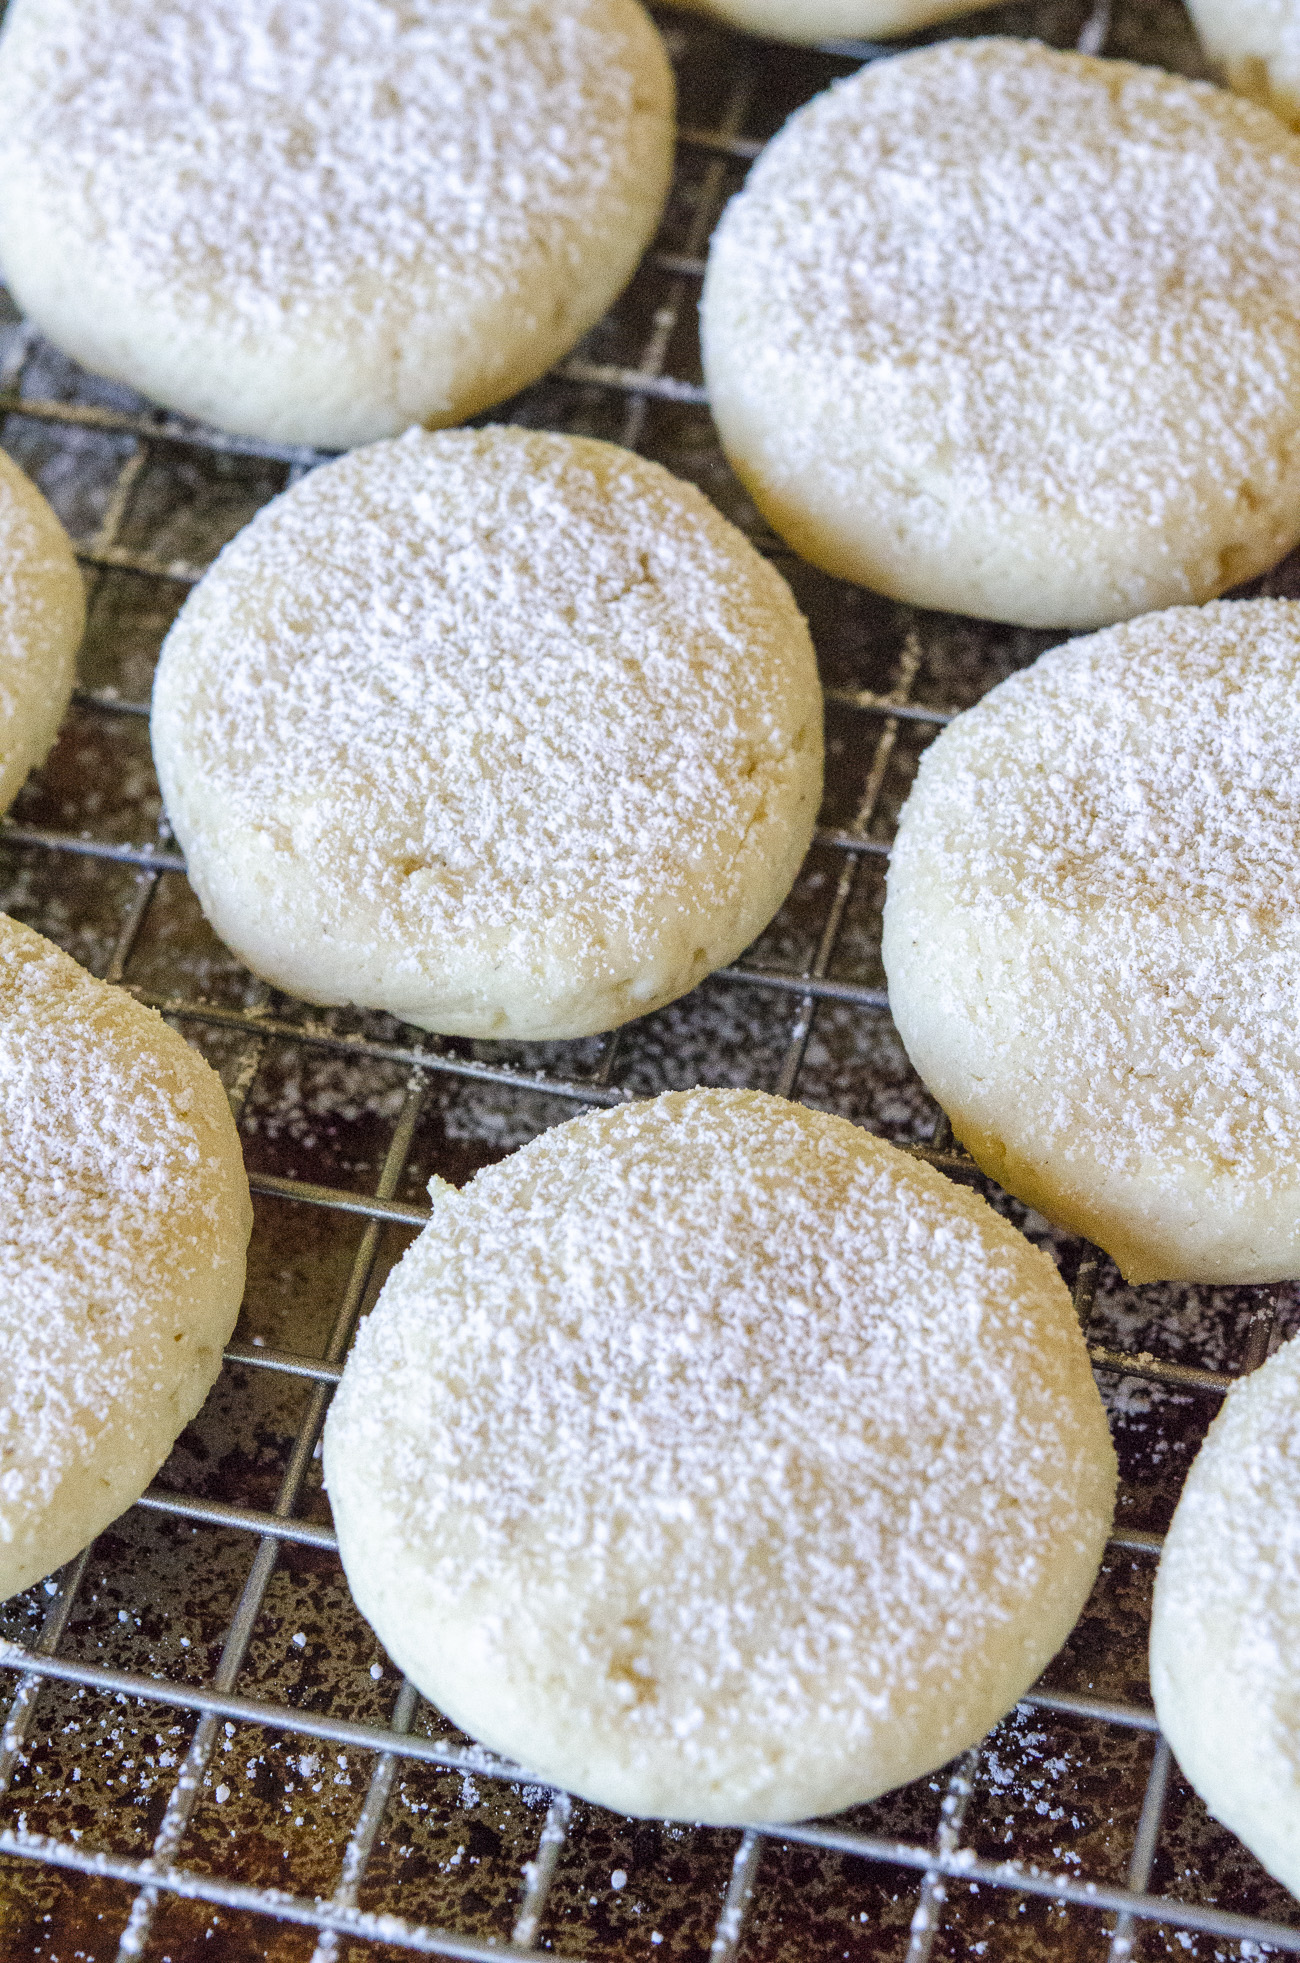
(1255, 45)
(323, 221)
(507, 733)
(1017, 333)
(806, 22)
(42, 613)
(716, 1460)
(1224, 1669)
(1092, 938)
(122, 1246)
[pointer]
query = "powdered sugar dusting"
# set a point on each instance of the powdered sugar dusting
(1239, 1518)
(122, 1218)
(1223, 1665)
(265, 159)
(318, 221)
(769, 1431)
(1069, 284)
(517, 688)
(1109, 849)
(40, 624)
(1151, 767)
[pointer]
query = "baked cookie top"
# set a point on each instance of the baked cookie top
(508, 733)
(1092, 937)
(42, 612)
(1017, 332)
(1224, 1671)
(122, 1237)
(324, 220)
(717, 1460)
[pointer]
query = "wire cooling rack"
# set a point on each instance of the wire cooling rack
(205, 1753)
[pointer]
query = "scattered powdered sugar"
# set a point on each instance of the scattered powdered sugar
(721, 1419)
(1068, 283)
(265, 160)
(119, 1209)
(1117, 832)
(482, 681)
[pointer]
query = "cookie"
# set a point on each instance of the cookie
(122, 1238)
(806, 22)
(42, 613)
(321, 222)
(1224, 1670)
(1256, 49)
(507, 733)
(1091, 938)
(1017, 332)
(714, 1459)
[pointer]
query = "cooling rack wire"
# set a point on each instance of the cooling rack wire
(205, 1754)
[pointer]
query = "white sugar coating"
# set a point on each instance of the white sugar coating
(42, 612)
(1225, 1672)
(1255, 45)
(715, 1459)
(508, 733)
(1017, 332)
(805, 22)
(123, 1226)
(324, 220)
(1092, 938)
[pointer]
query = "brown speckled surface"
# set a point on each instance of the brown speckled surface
(276, 1808)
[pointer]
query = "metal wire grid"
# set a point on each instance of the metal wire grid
(938, 1861)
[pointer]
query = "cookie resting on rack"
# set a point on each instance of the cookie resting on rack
(124, 1222)
(321, 221)
(1225, 1673)
(510, 734)
(714, 1459)
(42, 612)
(1092, 938)
(1016, 332)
